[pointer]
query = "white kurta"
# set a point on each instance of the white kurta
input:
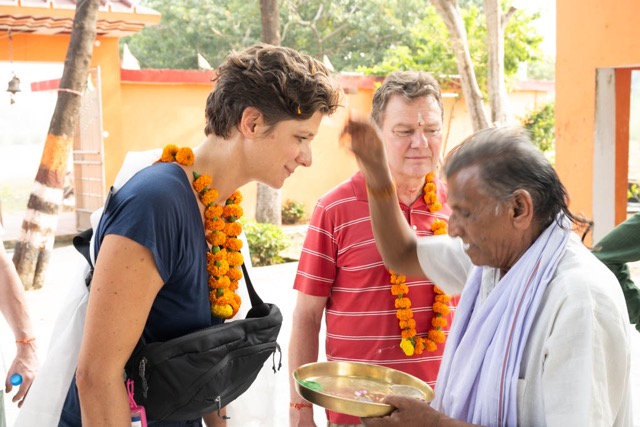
(575, 370)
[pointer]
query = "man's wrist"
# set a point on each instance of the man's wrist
(385, 191)
(300, 405)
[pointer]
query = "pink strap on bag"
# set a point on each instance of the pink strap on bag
(138, 415)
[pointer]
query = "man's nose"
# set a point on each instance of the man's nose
(454, 229)
(419, 139)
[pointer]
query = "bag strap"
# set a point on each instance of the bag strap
(253, 295)
(82, 244)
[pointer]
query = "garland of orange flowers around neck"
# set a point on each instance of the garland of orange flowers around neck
(411, 343)
(224, 259)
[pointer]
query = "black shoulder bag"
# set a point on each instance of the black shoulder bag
(201, 372)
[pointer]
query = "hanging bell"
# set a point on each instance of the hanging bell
(14, 85)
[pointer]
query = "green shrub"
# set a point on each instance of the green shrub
(266, 241)
(541, 124)
(633, 192)
(292, 211)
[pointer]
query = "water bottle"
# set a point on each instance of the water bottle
(16, 379)
(136, 419)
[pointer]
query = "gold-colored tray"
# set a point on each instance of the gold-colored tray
(344, 387)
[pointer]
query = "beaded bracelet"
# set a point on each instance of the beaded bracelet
(25, 340)
(299, 406)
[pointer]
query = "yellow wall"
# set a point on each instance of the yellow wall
(155, 114)
(590, 34)
(107, 56)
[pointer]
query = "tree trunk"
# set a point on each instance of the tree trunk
(32, 252)
(267, 198)
(270, 15)
(496, 23)
(450, 14)
(268, 205)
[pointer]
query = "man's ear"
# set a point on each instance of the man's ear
(523, 209)
(251, 122)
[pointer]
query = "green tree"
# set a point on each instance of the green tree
(427, 46)
(191, 26)
(541, 124)
(543, 68)
(370, 36)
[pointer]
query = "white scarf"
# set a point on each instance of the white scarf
(478, 378)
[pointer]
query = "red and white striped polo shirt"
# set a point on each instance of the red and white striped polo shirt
(340, 260)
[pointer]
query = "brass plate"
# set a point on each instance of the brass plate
(356, 388)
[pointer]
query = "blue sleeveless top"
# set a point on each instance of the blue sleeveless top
(157, 209)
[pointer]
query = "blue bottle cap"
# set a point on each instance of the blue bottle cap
(16, 379)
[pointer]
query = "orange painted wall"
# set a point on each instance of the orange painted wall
(623, 107)
(590, 34)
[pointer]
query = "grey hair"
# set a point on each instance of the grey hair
(509, 161)
(409, 84)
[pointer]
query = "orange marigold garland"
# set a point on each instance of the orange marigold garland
(224, 259)
(431, 199)
(411, 343)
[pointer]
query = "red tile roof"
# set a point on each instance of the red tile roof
(536, 85)
(116, 18)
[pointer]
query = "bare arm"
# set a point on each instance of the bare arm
(303, 348)
(395, 240)
(124, 286)
(212, 419)
(14, 309)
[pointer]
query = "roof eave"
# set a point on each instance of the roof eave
(39, 20)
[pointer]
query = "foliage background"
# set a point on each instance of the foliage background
(366, 36)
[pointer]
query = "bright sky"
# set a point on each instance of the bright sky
(546, 22)
(32, 110)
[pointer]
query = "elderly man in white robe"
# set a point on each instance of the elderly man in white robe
(540, 334)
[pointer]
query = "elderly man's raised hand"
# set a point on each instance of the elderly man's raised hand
(364, 139)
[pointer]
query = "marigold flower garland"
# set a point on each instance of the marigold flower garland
(222, 229)
(411, 343)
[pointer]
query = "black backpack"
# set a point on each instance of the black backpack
(201, 372)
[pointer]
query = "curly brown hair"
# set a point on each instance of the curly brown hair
(280, 82)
